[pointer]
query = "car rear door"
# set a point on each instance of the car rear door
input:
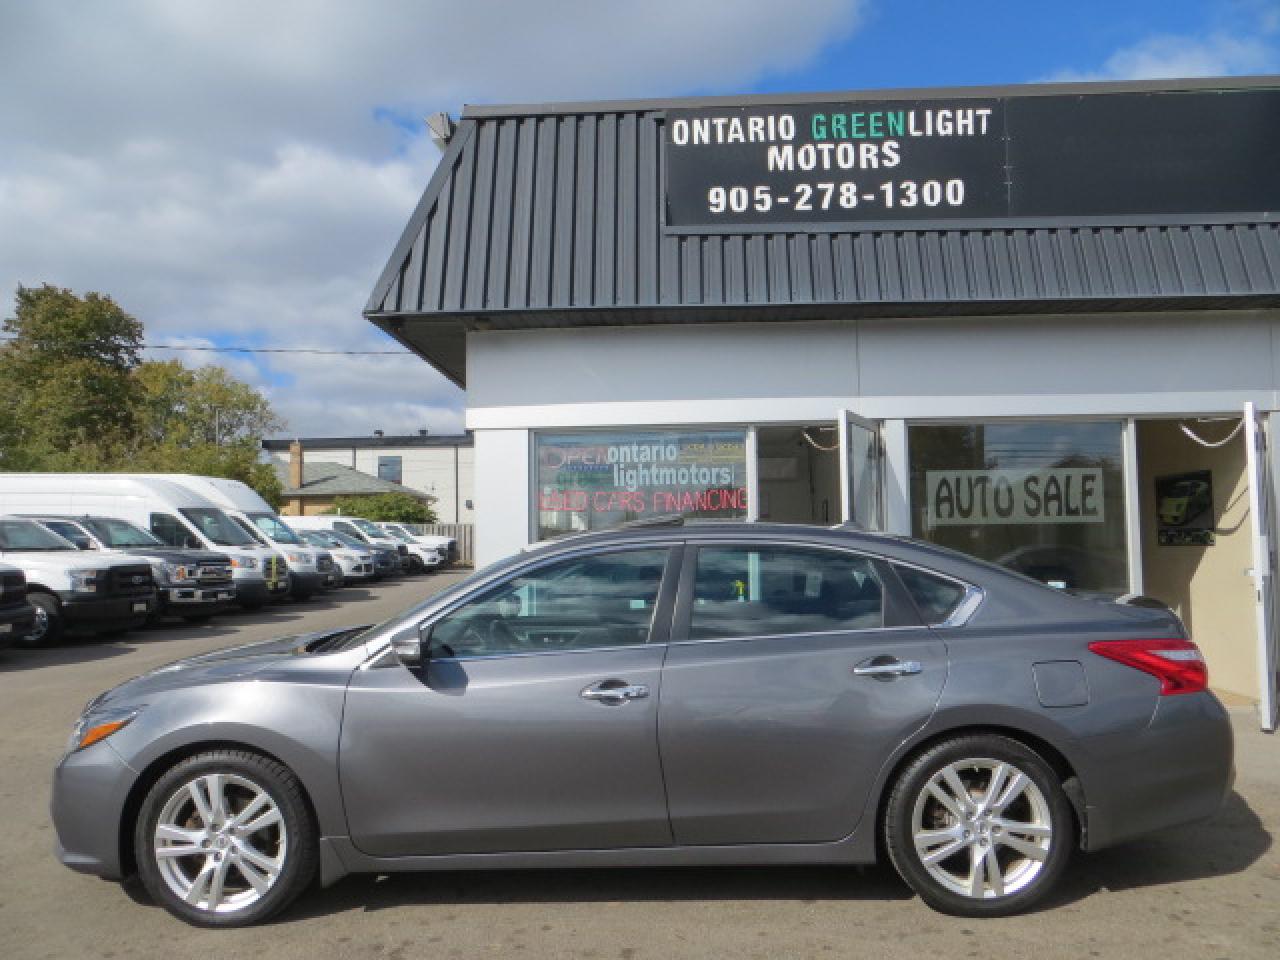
(793, 672)
(535, 726)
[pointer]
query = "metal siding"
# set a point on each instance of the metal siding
(563, 211)
(457, 252)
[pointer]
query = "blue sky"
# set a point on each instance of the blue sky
(237, 172)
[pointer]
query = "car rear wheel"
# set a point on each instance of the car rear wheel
(225, 839)
(49, 624)
(979, 826)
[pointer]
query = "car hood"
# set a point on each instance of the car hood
(233, 663)
(176, 554)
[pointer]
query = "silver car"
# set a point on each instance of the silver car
(661, 695)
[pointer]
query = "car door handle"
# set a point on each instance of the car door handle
(886, 668)
(614, 692)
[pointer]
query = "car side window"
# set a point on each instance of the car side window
(751, 591)
(604, 600)
(935, 597)
(169, 530)
(348, 529)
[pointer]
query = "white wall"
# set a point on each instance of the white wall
(502, 493)
(950, 367)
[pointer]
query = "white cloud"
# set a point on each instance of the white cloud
(225, 169)
(1170, 56)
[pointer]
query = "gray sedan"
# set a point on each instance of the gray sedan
(661, 695)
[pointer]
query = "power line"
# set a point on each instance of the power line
(315, 351)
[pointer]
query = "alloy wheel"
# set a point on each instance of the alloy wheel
(982, 828)
(220, 843)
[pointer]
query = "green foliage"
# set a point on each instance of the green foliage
(67, 391)
(386, 507)
(75, 395)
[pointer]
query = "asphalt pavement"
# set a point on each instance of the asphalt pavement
(1208, 891)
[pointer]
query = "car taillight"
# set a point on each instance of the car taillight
(1177, 664)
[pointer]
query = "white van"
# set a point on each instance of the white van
(107, 593)
(174, 514)
(308, 567)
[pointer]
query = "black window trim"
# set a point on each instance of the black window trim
(684, 602)
(660, 625)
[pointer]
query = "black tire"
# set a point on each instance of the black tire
(301, 853)
(49, 625)
(1031, 884)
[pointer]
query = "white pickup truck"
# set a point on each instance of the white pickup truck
(107, 593)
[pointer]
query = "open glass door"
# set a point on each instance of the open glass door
(1260, 433)
(861, 471)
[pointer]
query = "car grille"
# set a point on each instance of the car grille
(214, 574)
(272, 567)
(324, 564)
(133, 580)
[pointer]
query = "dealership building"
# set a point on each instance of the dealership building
(1038, 324)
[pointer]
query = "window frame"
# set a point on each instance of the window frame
(898, 605)
(659, 626)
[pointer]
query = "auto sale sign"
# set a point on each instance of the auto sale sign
(1046, 495)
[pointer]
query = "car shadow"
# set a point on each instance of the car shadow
(371, 892)
(1229, 843)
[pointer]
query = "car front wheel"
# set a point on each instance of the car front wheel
(225, 839)
(979, 826)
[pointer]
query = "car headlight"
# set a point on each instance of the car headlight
(177, 571)
(245, 563)
(84, 581)
(298, 557)
(96, 726)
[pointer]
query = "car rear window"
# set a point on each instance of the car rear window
(935, 597)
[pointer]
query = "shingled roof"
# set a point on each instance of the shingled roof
(321, 479)
(553, 215)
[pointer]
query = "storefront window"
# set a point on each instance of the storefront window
(1045, 499)
(596, 480)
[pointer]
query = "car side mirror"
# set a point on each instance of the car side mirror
(414, 648)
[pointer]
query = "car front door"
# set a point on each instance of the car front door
(792, 673)
(532, 726)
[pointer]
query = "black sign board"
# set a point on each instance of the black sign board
(1095, 155)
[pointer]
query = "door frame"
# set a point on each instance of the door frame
(1261, 466)
(848, 421)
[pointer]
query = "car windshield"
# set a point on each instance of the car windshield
(218, 527)
(25, 535)
(367, 528)
(120, 533)
(399, 534)
(320, 538)
(274, 528)
(350, 541)
(251, 530)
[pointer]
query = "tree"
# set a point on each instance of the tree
(205, 405)
(386, 507)
(66, 380)
(75, 395)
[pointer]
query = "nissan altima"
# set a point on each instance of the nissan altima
(669, 694)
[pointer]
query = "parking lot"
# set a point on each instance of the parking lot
(1209, 891)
